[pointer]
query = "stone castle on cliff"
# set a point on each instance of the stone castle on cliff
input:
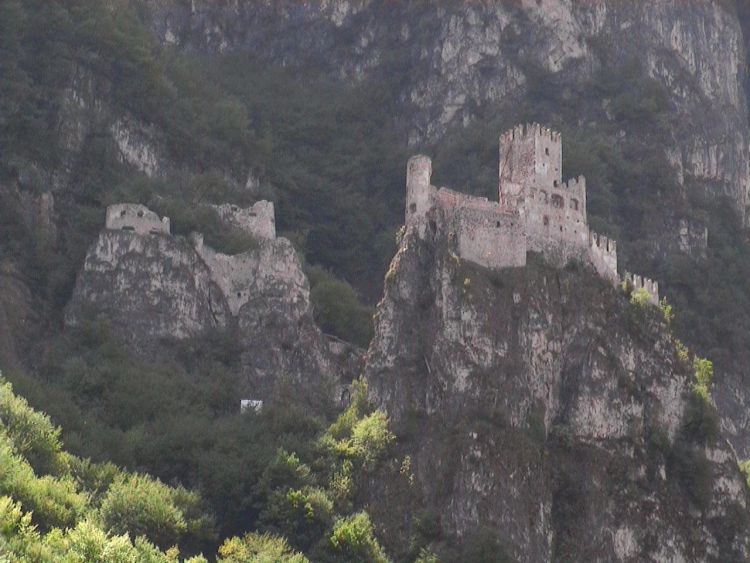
(535, 211)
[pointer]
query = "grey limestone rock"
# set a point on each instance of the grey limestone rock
(541, 403)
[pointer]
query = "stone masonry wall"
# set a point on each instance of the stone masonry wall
(137, 218)
(603, 255)
(258, 220)
(419, 193)
(486, 233)
(530, 155)
(233, 274)
(555, 221)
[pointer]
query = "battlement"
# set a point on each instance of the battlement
(258, 220)
(529, 130)
(603, 255)
(637, 282)
(135, 218)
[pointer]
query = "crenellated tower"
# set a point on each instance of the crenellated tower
(530, 158)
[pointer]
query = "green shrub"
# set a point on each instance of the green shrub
(484, 546)
(702, 374)
(425, 530)
(353, 540)
(257, 548)
(31, 432)
(337, 310)
(140, 505)
(301, 516)
(744, 467)
(53, 501)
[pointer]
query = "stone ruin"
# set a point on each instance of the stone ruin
(535, 210)
(258, 220)
(135, 218)
(233, 274)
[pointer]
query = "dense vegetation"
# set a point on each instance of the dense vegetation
(55, 506)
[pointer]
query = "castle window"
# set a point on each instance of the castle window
(140, 213)
(122, 213)
(497, 224)
(546, 221)
(574, 204)
(533, 193)
(543, 196)
(128, 228)
(546, 151)
(413, 207)
(555, 183)
(558, 201)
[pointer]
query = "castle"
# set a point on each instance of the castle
(258, 220)
(535, 211)
(234, 275)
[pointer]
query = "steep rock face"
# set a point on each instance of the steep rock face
(155, 287)
(151, 286)
(540, 403)
(448, 61)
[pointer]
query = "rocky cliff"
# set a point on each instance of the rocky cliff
(158, 288)
(541, 403)
(450, 64)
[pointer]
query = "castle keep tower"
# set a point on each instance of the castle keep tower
(530, 157)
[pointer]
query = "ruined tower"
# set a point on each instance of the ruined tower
(418, 203)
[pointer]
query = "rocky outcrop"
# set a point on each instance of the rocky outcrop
(156, 288)
(541, 403)
(151, 286)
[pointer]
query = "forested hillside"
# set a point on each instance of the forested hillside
(55, 506)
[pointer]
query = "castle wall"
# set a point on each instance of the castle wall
(136, 218)
(258, 220)
(490, 237)
(639, 282)
(487, 233)
(233, 274)
(603, 255)
(555, 224)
